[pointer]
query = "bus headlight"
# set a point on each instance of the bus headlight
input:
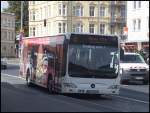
(71, 85)
(147, 69)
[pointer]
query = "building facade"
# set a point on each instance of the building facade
(7, 34)
(138, 24)
(54, 17)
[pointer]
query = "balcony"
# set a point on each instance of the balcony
(121, 20)
(117, 3)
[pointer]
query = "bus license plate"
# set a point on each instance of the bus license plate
(92, 91)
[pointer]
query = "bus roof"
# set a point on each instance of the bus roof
(67, 35)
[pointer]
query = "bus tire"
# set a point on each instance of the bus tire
(28, 79)
(49, 86)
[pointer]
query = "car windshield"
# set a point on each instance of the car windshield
(132, 59)
(92, 61)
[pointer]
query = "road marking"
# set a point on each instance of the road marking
(131, 99)
(13, 76)
(106, 107)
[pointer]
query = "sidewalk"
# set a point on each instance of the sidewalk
(139, 88)
(13, 60)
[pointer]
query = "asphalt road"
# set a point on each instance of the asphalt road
(16, 97)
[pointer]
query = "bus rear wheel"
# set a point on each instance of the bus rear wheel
(28, 79)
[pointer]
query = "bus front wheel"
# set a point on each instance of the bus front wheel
(50, 86)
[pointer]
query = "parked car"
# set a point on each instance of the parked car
(134, 68)
(4, 63)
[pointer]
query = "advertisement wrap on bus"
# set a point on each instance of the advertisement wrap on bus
(72, 63)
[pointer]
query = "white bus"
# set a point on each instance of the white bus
(72, 63)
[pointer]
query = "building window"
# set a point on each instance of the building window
(78, 28)
(41, 29)
(4, 48)
(102, 28)
(37, 14)
(3, 22)
(6, 23)
(134, 25)
(78, 11)
(139, 24)
(102, 11)
(33, 18)
(32, 15)
(41, 13)
(121, 30)
(59, 27)
(9, 35)
(64, 27)
(33, 31)
(49, 28)
(91, 10)
(30, 31)
(73, 28)
(59, 9)
(112, 30)
(139, 4)
(45, 8)
(49, 12)
(134, 4)
(12, 49)
(9, 23)
(123, 12)
(64, 10)
(5, 34)
(91, 28)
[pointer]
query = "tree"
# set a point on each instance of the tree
(15, 7)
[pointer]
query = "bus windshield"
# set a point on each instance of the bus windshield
(92, 61)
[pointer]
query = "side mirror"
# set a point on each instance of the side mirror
(121, 53)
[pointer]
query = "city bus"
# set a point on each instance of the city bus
(72, 63)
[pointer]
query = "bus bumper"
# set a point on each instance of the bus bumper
(90, 91)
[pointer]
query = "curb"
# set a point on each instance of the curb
(14, 64)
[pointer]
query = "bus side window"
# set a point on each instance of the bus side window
(51, 59)
(29, 57)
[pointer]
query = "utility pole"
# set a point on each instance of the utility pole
(21, 30)
(21, 14)
(98, 25)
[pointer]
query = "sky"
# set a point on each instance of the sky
(4, 4)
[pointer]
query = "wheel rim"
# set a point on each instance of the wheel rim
(28, 78)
